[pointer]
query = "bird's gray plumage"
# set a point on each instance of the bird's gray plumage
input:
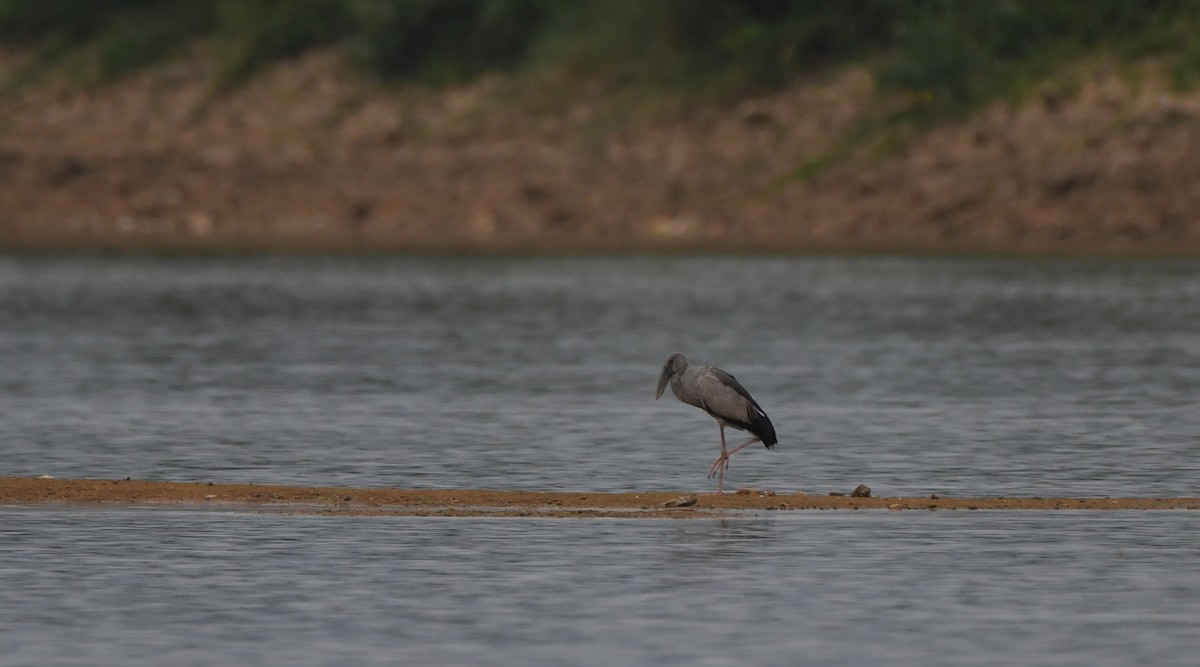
(720, 395)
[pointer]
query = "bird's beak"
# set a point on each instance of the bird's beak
(662, 382)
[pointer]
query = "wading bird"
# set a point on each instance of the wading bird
(719, 394)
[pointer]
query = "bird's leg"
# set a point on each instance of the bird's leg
(744, 445)
(722, 463)
(712, 472)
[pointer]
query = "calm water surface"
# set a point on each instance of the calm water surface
(910, 375)
(913, 376)
(160, 587)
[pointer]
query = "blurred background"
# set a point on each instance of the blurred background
(998, 125)
(604, 182)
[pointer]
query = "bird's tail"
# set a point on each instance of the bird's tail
(763, 428)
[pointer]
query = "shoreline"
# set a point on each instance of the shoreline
(167, 245)
(386, 501)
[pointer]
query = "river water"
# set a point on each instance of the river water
(914, 376)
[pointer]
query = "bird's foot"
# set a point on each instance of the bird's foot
(719, 466)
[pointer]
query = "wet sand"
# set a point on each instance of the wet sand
(351, 501)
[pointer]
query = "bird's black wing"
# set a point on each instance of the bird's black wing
(732, 403)
(731, 382)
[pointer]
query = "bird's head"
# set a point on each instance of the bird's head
(676, 363)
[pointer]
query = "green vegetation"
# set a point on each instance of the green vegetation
(942, 58)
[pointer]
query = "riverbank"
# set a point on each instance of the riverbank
(308, 156)
(479, 502)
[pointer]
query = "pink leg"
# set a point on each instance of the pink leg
(722, 463)
(744, 445)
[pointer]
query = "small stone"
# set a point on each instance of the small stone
(861, 491)
(681, 501)
(934, 496)
(210, 496)
(836, 493)
(895, 506)
(769, 492)
(746, 491)
(200, 224)
(45, 477)
(347, 498)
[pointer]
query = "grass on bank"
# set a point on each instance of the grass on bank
(943, 58)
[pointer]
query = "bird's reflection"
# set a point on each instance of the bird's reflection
(703, 541)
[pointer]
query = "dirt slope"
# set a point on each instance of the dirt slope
(308, 156)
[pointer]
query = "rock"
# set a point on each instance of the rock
(200, 223)
(681, 501)
(667, 227)
(861, 491)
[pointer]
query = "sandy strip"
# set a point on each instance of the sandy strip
(478, 502)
